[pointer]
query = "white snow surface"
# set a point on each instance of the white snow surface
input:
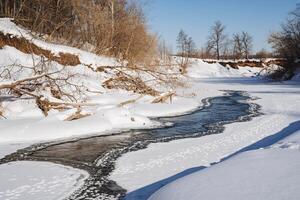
(25, 125)
(280, 104)
(268, 174)
(27, 180)
(200, 69)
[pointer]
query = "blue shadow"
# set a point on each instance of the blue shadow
(145, 192)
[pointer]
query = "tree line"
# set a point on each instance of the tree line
(219, 45)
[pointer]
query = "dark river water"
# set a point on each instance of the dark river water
(97, 154)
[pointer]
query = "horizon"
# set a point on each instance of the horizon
(166, 18)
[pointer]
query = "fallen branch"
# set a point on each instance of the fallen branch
(45, 105)
(76, 115)
(93, 91)
(163, 98)
(129, 101)
(12, 85)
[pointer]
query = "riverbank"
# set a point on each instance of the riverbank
(279, 102)
(97, 154)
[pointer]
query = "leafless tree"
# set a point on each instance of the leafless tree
(191, 47)
(182, 40)
(247, 43)
(286, 42)
(237, 46)
(164, 52)
(226, 51)
(217, 38)
(186, 49)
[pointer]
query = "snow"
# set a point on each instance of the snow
(8, 27)
(178, 106)
(35, 180)
(200, 69)
(268, 174)
(26, 124)
(53, 127)
(160, 161)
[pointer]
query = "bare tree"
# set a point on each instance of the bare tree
(247, 43)
(217, 38)
(191, 47)
(286, 43)
(186, 48)
(226, 51)
(237, 46)
(164, 52)
(182, 40)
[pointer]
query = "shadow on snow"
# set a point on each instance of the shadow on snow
(145, 192)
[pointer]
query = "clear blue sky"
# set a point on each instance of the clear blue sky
(195, 17)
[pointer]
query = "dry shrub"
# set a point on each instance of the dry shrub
(280, 62)
(28, 47)
(68, 59)
(43, 105)
(249, 63)
(235, 65)
(126, 82)
(113, 27)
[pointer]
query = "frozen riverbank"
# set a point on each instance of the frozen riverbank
(279, 103)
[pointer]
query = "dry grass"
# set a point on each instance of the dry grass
(68, 59)
(28, 47)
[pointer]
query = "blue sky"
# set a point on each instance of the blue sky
(195, 17)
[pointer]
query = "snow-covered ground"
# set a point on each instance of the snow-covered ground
(24, 180)
(266, 173)
(280, 104)
(25, 125)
